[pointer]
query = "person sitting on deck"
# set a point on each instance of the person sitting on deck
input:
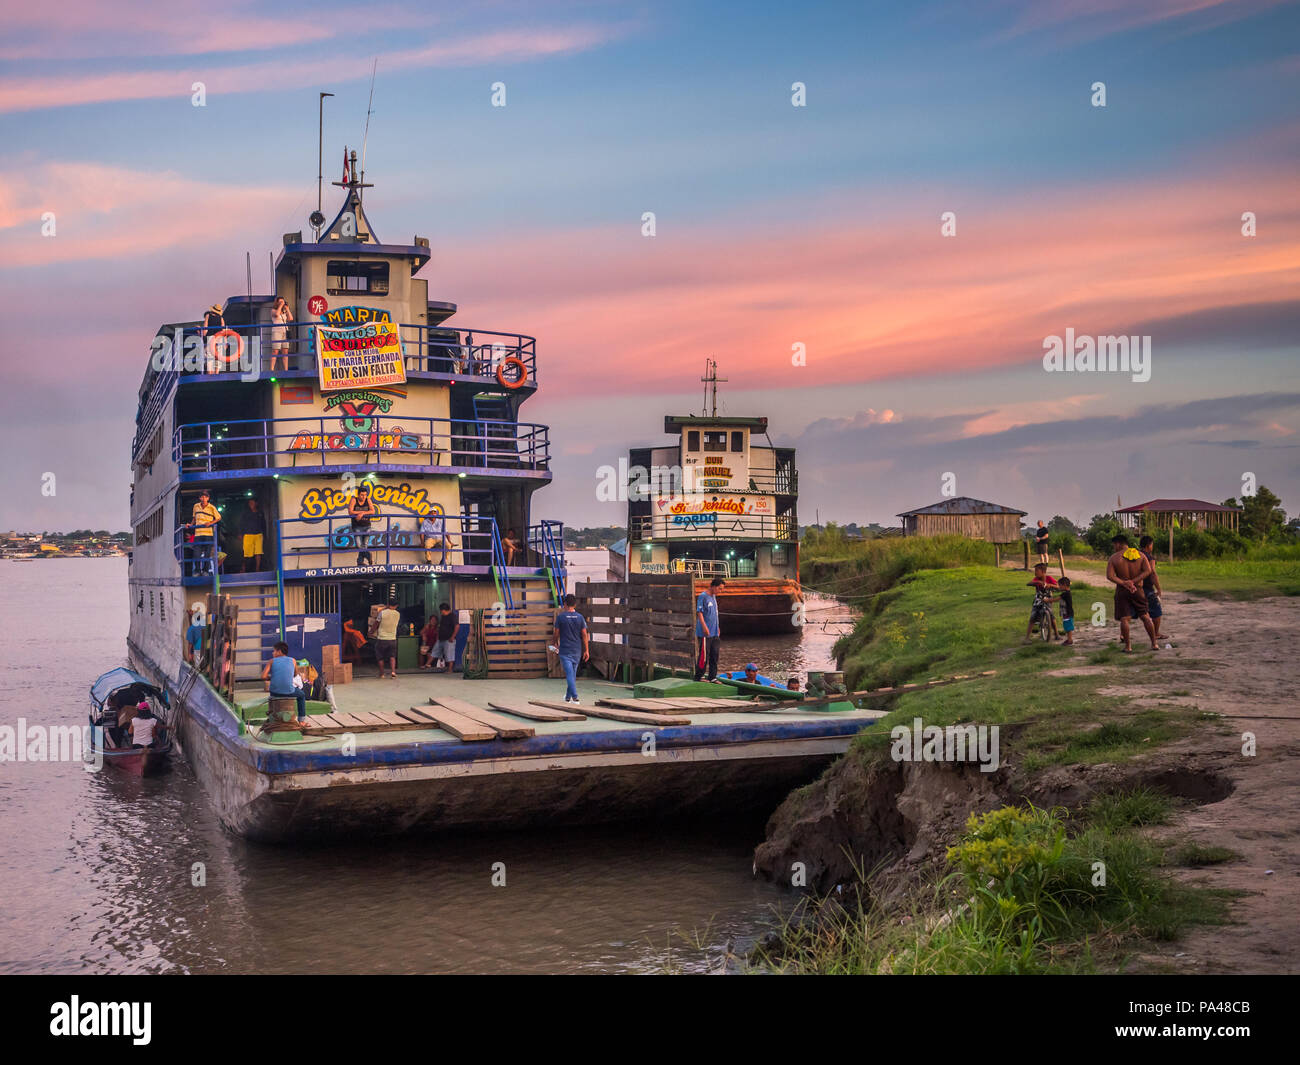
(433, 533)
(511, 546)
(279, 673)
(142, 726)
(353, 640)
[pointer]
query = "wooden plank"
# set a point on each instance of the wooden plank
(460, 726)
(630, 716)
(537, 713)
(353, 723)
(392, 718)
(508, 729)
(417, 718)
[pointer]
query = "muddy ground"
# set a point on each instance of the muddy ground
(1233, 659)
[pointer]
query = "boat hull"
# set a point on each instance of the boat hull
(139, 762)
(754, 606)
(292, 793)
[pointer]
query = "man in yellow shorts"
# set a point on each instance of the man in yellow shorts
(252, 526)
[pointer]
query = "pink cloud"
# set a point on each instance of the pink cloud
(1089, 19)
(32, 93)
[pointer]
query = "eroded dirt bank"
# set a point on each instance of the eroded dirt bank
(1235, 659)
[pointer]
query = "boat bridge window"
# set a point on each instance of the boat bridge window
(693, 440)
(737, 441)
(715, 441)
(344, 278)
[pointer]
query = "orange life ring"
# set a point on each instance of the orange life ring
(224, 357)
(523, 372)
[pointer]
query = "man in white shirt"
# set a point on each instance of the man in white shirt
(386, 638)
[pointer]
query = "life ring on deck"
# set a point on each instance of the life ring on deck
(520, 380)
(221, 351)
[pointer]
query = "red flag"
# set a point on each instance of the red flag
(345, 163)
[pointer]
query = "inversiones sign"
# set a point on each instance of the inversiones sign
(364, 356)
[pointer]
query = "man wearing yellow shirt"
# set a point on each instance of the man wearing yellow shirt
(205, 520)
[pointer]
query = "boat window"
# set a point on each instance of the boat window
(344, 278)
(715, 441)
(778, 555)
(693, 440)
(737, 441)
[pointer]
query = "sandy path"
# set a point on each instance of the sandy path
(1236, 659)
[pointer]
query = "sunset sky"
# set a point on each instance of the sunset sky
(776, 225)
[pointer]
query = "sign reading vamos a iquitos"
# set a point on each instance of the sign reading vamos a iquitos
(363, 356)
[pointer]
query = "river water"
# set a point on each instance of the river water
(103, 873)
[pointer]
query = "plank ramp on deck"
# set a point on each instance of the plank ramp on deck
(505, 727)
(630, 716)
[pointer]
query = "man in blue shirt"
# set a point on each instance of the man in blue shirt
(279, 672)
(707, 631)
(572, 640)
(194, 637)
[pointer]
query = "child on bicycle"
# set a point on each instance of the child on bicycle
(1041, 612)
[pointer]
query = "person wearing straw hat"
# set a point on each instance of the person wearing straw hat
(213, 322)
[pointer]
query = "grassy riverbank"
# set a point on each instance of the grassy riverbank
(1086, 723)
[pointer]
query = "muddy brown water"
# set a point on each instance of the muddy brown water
(107, 874)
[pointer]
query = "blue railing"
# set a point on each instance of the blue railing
(398, 441)
(388, 541)
(199, 556)
(546, 539)
(470, 354)
(499, 576)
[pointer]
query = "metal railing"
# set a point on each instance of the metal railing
(199, 556)
(701, 567)
(781, 527)
(265, 443)
(437, 351)
(336, 542)
(546, 539)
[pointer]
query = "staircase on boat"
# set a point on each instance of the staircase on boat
(257, 627)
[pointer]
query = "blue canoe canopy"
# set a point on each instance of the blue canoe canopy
(116, 679)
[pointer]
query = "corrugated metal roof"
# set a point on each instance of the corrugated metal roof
(1162, 506)
(963, 505)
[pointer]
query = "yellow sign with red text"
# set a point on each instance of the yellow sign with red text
(363, 356)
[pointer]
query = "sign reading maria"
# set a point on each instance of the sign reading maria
(363, 356)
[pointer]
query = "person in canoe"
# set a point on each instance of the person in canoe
(750, 675)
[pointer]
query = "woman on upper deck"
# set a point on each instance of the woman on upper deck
(279, 332)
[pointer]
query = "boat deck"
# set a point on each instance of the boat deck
(377, 712)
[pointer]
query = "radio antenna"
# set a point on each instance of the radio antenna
(369, 111)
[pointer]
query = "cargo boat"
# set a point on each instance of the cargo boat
(368, 385)
(717, 503)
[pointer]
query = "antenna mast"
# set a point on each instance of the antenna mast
(711, 380)
(366, 132)
(320, 165)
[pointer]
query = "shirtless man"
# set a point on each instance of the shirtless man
(1126, 569)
